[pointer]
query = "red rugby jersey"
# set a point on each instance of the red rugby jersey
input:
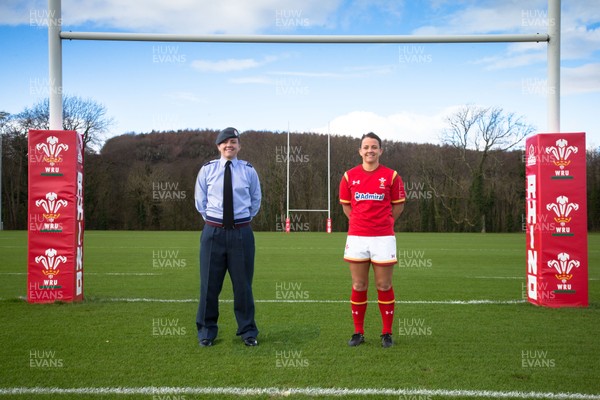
(371, 195)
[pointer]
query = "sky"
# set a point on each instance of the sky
(402, 92)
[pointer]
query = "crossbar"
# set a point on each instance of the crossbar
(164, 37)
(310, 210)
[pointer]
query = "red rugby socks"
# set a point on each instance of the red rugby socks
(386, 302)
(358, 302)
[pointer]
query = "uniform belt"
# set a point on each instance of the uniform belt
(235, 226)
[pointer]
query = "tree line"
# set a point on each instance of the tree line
(474, 182)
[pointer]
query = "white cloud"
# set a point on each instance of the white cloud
(185, 97)
(578, 39)
(583, 79)
(228, 65)
(405, 126)
(231, 64)
(177, 16)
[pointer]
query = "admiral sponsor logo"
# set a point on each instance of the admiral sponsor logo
(368, 196)
(562, 209)
(561, 153)
(564, 267)
(532, 252)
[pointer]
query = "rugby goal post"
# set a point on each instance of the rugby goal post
(328, 210)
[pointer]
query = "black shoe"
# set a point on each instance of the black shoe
(356, 340)
(386, 340)
(250, 341)
(206, 342)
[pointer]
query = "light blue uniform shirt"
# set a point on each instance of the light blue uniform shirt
(208, 192)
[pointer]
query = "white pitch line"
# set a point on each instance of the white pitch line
(98, 273)
(497, 277)
(147, 300)
(308, 391)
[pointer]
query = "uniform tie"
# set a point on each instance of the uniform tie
(227, 197)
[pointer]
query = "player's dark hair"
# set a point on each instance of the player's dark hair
(372, 136)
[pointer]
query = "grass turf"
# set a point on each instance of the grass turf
(110, 341)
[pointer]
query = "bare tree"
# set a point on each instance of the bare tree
(476, 132)
(82, 115)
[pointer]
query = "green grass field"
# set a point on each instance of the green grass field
(122, 342)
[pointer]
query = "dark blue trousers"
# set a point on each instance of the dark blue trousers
(221, 251)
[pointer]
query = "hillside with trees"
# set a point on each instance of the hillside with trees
(474, 182)
(146, 181)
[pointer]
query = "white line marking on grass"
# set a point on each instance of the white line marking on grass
(496, 277)
(147, 300)
(308, 391)
(98, 273)
(124, 273)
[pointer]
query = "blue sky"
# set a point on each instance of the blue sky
(400, 91)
